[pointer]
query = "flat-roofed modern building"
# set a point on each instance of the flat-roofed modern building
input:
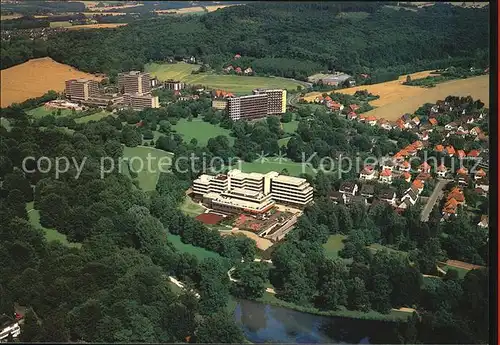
(81, 89)
(141, 101)
(174, 85)
(134, 82)
(239, 200)
(276, 100)
(251, 187)
(247, 107)
(291, 190)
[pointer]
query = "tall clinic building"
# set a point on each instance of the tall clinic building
(81, 89)
(134, 82)
(276, 100)
(261, 103)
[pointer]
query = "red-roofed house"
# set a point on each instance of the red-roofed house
(237, 56)
(386, 176)
(238, 70)
(353, 107)
(474, 153)
(405, 166)
(418, 185)
(460, 153)
(371, 120)
(479, 174)
(439, 148)
(442, 170)
(450, 150)
(433, 121)
(475, 131)
(406, 176)
(424, 167)
(352, 116)
(412, 151)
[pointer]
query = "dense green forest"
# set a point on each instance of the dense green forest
(292, 40)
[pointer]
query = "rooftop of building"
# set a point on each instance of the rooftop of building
(289, 180)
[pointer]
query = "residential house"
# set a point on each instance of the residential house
(479, 174)
(473, 154)
(386, 176)
(367, 190)
(416, 121)
(423, 176)
(371, 120)
(383, 123)
(404, 166)
(412, 151)
(462, 176)
(352, 116)
(388, 196)
(401, 155)
(450, 151)
(468, 119)
(337, 197)
(406, 176)
(237, 56)
(353, 107)
(439, 148)
(442, 170)
(410, 198)
(349, 188)
(400, 124)
(361, 118)
(452, 126)
(388, 164)
(228, 68)
(417, 186)
(484, 221)
(433, 121)
(423, 135)
(483, 183)
(238, 70)
(450, 208)
(418, 145)
(424, 167)
(475, 131)
(368, 173)
(248, 71)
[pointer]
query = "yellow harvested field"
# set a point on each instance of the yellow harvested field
(34, 78)
(96, 26)
(476, 87)
(184, 10)
(92, 5)
(10, 16)
(397, 99)
(216, 7)
(93, 14)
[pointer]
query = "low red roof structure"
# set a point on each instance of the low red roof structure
(209, 218)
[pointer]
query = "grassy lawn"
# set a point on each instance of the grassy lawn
(42, 111)
(5, 123)
(200, 130)
(190, 208)
(50, 234)
(60, 24)
(147, 179)
(334, 245)
(199, 252)
(283, 141)
(291, 127)
(177, 71)
(175, 289)
(374, 247)
(234, 83)
(93, 117)
(269, 298)
(273, 164)
(240, 84)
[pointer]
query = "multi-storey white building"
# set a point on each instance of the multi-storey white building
(252, 191)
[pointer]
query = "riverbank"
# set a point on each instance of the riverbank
(393, 316)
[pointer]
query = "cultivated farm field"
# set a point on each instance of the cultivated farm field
(34, 78)
(397, 99)
(96, 26)
(233, 83)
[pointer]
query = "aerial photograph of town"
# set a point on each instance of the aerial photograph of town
(246, 172)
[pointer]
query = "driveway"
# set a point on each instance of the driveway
(436, 195)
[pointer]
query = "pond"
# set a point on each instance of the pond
(263, 323)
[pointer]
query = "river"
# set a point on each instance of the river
(263, 323)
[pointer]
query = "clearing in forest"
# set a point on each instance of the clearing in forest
(200, 130)
(34, 78)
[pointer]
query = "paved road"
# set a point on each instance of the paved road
(436, 195)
